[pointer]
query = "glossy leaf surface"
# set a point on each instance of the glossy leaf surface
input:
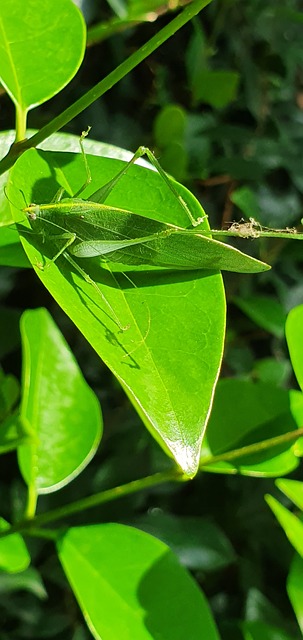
(58, 409)
(130, 585)
(42, 46)
(168, 359)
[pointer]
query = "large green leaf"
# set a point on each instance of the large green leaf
(58, 408)
(168, 359)
(42, 46)
(130, 586)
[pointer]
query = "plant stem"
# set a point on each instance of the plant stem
(31, 502)
(21, 118)
(229, 456)
(269, 233)
(92, 501)
(107, 83)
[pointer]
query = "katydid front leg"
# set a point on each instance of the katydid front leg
(67, 246)
(69, 239)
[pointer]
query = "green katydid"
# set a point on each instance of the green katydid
(77, 229)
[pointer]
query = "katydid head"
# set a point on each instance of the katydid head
(32, 211)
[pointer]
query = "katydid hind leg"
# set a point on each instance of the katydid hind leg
(67, 237)
(101, 194)
(153, 160)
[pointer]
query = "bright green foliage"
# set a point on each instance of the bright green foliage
(236, 140)
(294, 341)
(14, 556)
(293, 489)
(244, 414)
(293, 528)
(34, 63)
(291, 524)
(58, 409)
(294, 587)
(169, 133)
(130, 585)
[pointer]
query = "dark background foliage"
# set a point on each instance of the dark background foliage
(221, 104)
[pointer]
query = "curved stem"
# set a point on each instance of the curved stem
(95, 500)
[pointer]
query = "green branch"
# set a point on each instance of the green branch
(93, 501)
(230, 456)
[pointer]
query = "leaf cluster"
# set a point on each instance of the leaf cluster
(97, 512)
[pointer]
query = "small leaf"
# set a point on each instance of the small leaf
(246, 200)
(293, 527)
(169, 125)
(14, 556)
(12, 433)
(217, 88)
(266, 312)
(42, 47)
(144, 591)
(293, 489)
(293, 332)
(58, 408)
(294, 588)
(243, 414)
